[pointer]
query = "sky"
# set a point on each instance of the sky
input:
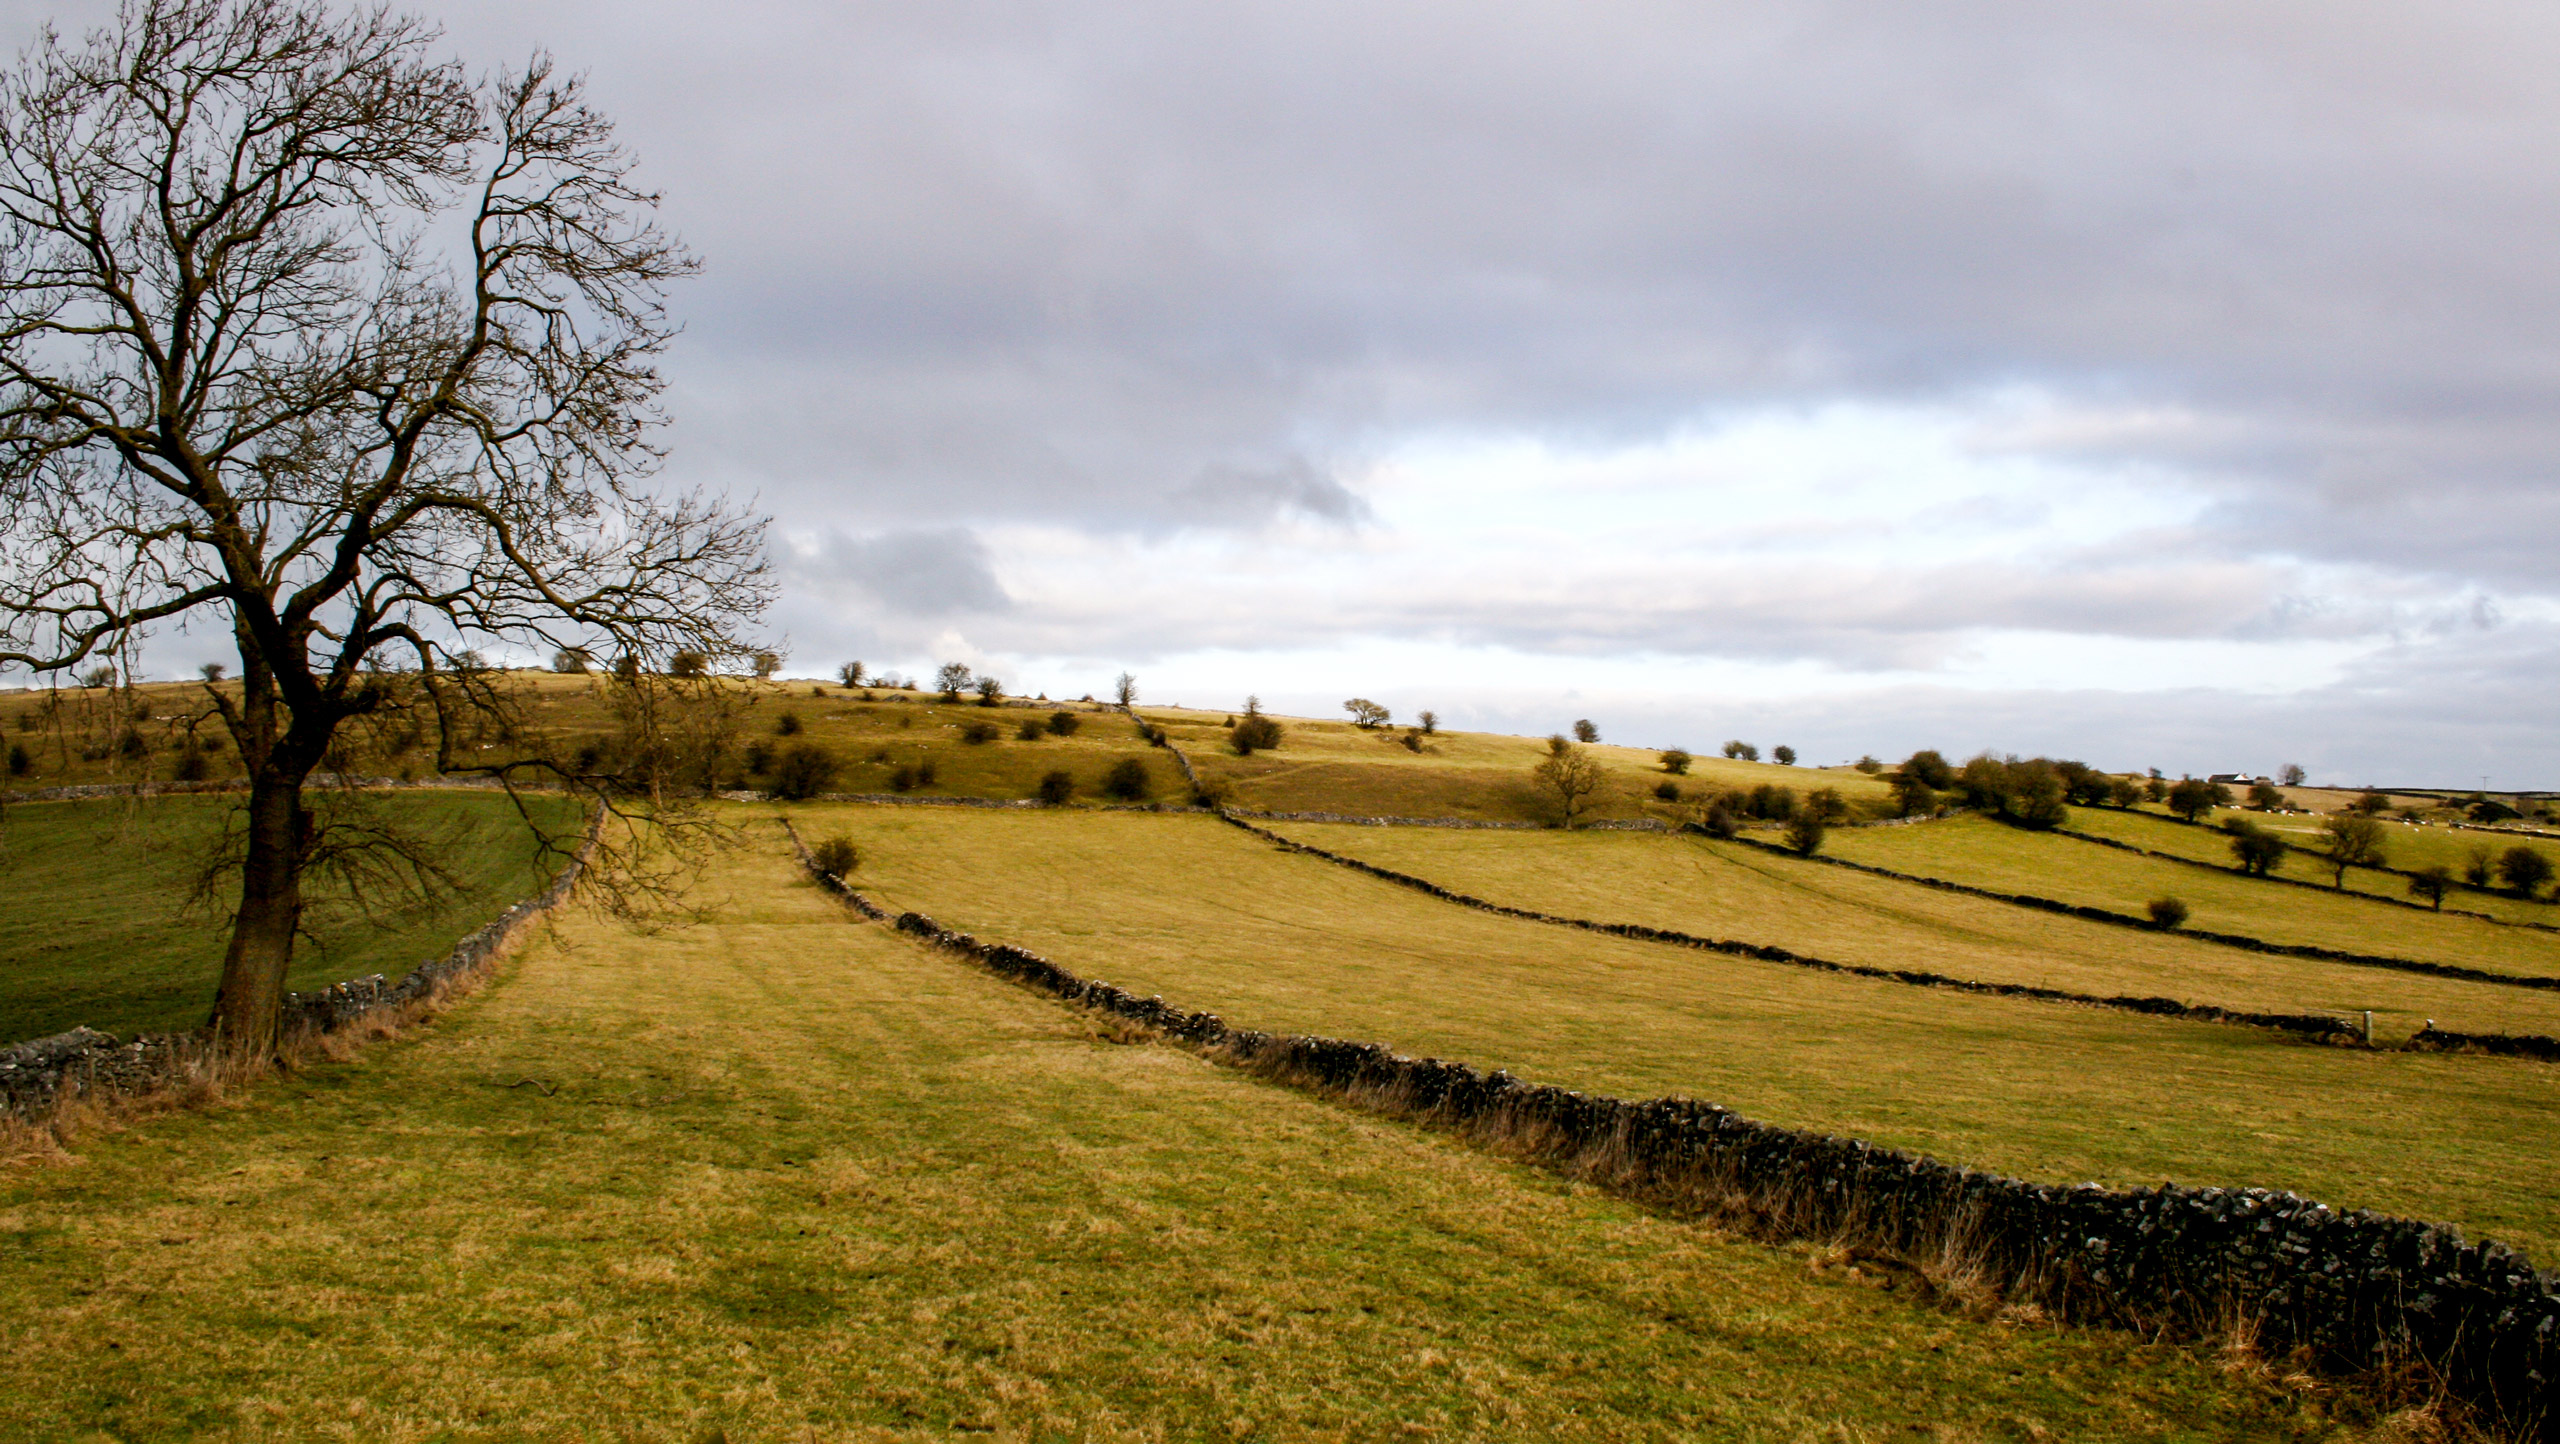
(2168, 386)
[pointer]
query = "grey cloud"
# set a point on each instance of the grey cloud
(917, 573)
(1247, 496)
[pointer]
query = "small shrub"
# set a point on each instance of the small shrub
(850, 674)
(1214, 793)
(817, 691)
(133, 745)
(1772, 803)
(190, 766)
(2166, 912)
(1721, 822)
(2256, 850)
(759, 759)
(927, 774)
(802, 773)
(2478, 864)
(1676, 762)
(1057, 787)
(1129, 781)
(1667, 790)
(1064, 724)
(1031, 730)
(2431, 883)
(684, 664)
(978, 733)
(1412, 740)
(1805, 834)
(766, 664)
(1868, 765)
(1256, 733)
(787, 725)
(20, 763)
(990, 692)
(903, 779)
(1826, 806)
(836, 855)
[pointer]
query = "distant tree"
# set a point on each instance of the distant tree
(685, 664)
(1825, 805)
(2266, 797)
(1430, 721)
(213, 672)
(1568, 775)
(1411, 741)
(1929, 769)
(2489, 809)
(990, 692)
(1124, 689)
(1064, 724)
(1252, 706)
(1365, 714)
(766, 663)
(1741, 751)
(2479, 864)
(2192, 797)
(1032, 729)
(2167, 913)
(2154, 789)
(1718, 820)
(2123, 792)
(1676, 762)
(803, 772)
(2432, 882)
(2290, 775)
(1785, 756)
(2354, 840)
(1057, 787)
(1868, 765)
(1256, 733)
(1804, 835)
(1584, 732)
(2083, 785)
(2035, 797)
(2257, 850)
(102, 675)
(1129, 781)
(2524, 869)
(1911, 796)
(2371, 803)
(850, 674)
(568, 661)
(952, 679)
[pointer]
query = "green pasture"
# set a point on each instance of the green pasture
(2405, 845)
(1210, 917)
(1982, 853)
(101, 929)
(1731, 890)
(789, 1177)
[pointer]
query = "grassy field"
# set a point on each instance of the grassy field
(1211, 918)
(2406, 845)
(1335, 767)
(788, 1177)
(1729, 890)
(99, 930)
(1988, 854)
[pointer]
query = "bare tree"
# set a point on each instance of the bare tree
(1125, 689)
(2354, 841)
(241, 378)
(1568, 775)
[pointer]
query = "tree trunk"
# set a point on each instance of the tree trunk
(250, 1003)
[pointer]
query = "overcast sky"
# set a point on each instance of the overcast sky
(2170, 385)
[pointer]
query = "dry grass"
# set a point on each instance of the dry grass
(1211, 918)
(791, 1177)
(1714, 889)
(1986, 854)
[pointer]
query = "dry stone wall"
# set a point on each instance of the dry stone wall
(2361, 1292)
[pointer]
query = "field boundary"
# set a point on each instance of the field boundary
(2315, 1027)
(40, 1076)
(2390, 1300)
(2398, 902)
(2242, 941)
